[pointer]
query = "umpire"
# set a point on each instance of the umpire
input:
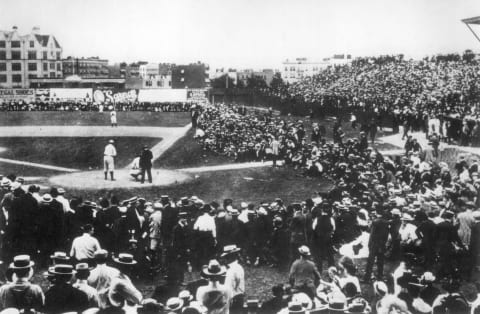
(146, 163)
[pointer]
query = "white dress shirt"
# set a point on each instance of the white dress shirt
(206, 223)
(235, 278)
(84, 246)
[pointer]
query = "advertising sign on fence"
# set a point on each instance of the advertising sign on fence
(107, 96)
(162, 95)
(197, 95)
(26, 95)
(71, 94)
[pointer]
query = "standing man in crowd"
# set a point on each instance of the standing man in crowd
(85, 246)
(146, 164)
(377, 245)
(108, 159)
(275, 146)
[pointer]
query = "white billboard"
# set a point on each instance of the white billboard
(71, 94)
(162, 95)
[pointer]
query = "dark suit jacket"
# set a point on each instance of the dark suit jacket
(146, 159)
(379, 233)
(62, 298)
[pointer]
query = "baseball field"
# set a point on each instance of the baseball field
(66, 149)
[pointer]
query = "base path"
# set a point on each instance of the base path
(237, 166)
(94, 180)
(89, 131)
(36, 165)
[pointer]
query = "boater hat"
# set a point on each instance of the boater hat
(61, 269)
(125, 259)
(230, 249)
(21, 262)
(60, 257)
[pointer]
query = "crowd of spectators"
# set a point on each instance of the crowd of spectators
(84, 106)
(403, 92)
(422, 217)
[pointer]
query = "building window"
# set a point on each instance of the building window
(3, 55)
(45, 55)
(32, 55)
(15, 44)
(3, 67)
(3, 78)
(32, 67)
(52, 74)
(16, 55)
(32, 76)
(32, 44)
(2, 44)
(52, 65)
(16, 78)
(58, 55)
(159, 83)
(45, 66)
(16, 67)
(59, 67)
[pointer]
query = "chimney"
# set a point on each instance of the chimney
(35, 30)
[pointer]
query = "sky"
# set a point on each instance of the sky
(245, 33)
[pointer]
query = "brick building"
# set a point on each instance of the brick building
(25, 57)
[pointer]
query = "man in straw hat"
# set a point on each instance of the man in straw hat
(304, 274)
(214, 296)
(20, 293)
(235, 276)
(126, 264)
(62, 297)
(82, 272)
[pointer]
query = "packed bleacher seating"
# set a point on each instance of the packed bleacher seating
(408, 92)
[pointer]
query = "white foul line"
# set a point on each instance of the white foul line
(33, 164)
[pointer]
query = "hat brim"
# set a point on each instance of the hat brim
(30, 265)
(206, 273)
(66, 258)
(230, 252)
(53, 272)
(118, 261)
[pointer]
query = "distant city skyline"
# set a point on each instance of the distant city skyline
(247, 33)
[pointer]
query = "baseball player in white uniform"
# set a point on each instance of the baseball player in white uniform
(108, 160)
(113, 118)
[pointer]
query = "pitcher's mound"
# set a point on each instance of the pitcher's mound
(95, 180)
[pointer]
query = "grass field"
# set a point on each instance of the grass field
(127, 118)
(187, 152)
(84, 153)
